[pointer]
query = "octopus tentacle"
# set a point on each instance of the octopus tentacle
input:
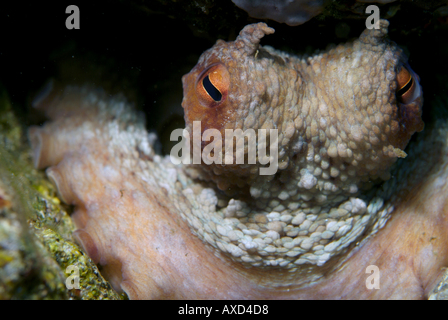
(47, 150)
(56, 174)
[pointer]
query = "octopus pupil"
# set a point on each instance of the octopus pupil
(211, 89)
(406, 88)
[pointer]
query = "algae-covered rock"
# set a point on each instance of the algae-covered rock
(36, 245)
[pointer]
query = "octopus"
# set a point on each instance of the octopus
(352, 211)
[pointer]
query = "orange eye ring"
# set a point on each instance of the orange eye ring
(406, 86)
(213, 85)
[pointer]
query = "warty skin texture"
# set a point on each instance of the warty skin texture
(336, 111)
(342, 122)
(159, 233)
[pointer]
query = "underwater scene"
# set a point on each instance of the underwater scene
(231, 149)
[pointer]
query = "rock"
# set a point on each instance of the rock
(36, 245)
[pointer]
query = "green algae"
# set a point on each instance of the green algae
(36, 243)
(66, 253)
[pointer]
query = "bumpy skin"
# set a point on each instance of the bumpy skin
(338, 119)
(340, 128)
(159, 232)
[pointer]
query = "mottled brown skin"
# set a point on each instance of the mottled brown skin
(343, 116)
(340, 104)
(134, 209)
(244, 57)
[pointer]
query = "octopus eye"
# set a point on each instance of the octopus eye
(212, 91)
(407, 88)
(213, 85)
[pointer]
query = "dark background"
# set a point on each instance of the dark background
(143, 48)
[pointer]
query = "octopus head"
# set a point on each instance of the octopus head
(346, 112)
